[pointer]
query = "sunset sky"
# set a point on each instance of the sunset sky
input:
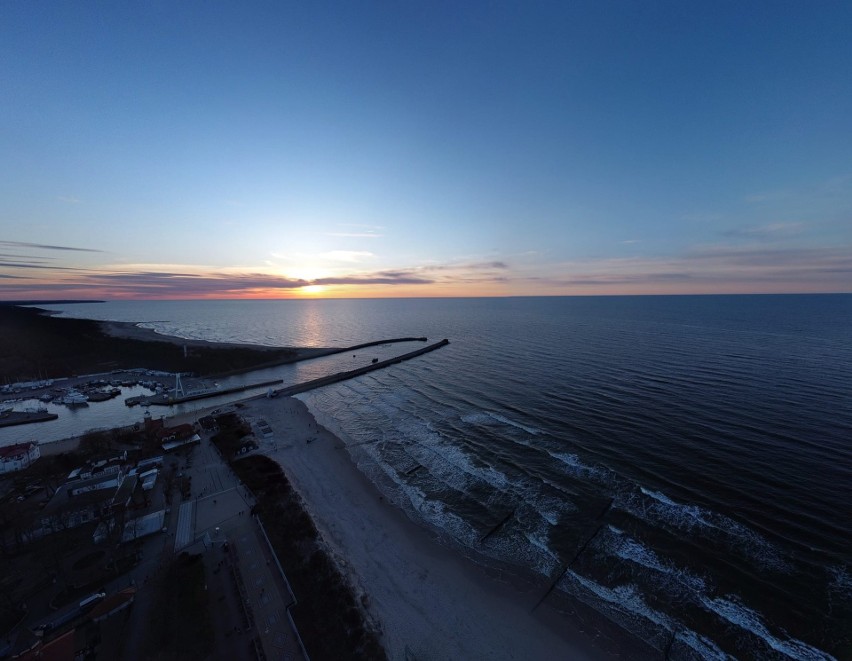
(228, 150)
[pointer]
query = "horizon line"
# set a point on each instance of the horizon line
(32, 301)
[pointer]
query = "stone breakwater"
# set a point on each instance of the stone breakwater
(343, 376)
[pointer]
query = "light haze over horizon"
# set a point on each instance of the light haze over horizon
(214, 150)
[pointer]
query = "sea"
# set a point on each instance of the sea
(676, 468)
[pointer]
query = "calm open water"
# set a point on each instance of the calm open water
(678, 466)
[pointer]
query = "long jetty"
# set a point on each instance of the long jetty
(190, 397)
(158, 400)
(316, 353)
(343, 376)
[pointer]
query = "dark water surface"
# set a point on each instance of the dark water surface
(680, 465)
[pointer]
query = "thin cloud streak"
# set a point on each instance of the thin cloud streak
(178, 284)
(355, 235)
(38, 265)
(713, 269)
(20, 244)
(472, 266)
(764, 232)
(393, 279)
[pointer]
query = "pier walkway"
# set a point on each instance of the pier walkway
(343, 376)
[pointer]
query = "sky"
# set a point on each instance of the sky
(389, 149)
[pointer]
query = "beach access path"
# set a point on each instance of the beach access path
(220, 513)
(248, 595)
(431, 602)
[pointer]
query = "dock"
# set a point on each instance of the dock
(167, 400)
(26, 417)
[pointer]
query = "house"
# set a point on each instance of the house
(77, 503)
(18, 457)
(179, 433)
(104, 480)
(95, 469)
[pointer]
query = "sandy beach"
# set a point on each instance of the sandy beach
(430, 602)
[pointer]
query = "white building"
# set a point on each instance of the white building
(19, 456)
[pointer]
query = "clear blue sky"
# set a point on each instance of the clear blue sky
(424, 149)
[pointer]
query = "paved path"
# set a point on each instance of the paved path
(184, 534)
(267, 595)
(219, 512)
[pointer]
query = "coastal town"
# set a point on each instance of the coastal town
(126, 542)
(100, 540)
(173, 535)
(119, 508)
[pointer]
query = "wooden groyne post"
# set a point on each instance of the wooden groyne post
(577, 554)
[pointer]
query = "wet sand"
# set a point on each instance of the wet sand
(430, 602)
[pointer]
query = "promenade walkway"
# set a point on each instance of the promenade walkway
(183, 535)
(221, 512)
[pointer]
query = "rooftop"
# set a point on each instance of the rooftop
(16, 449)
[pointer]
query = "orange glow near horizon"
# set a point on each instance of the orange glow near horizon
(176, 282)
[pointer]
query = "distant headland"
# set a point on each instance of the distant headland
(57, 301)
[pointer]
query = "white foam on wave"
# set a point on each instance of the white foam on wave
(750, 621)
(657, 508)
(729, 608)
(552, 509)
(478, 418)
(840, 582)
(529, 549)
(486, 418)
(418, 442)
(404, 441)
(547, 560)
(430, 449)
(625, 605)
(704, 647)
(412, 499)
(626, 599)
(623, 546)
(455, 468)
(661, 497)
(572, 465)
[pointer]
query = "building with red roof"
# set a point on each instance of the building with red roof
(18, 457)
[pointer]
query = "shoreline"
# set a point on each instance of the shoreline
(431, 601)
(130, 330)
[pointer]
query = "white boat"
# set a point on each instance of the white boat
(74, 398)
